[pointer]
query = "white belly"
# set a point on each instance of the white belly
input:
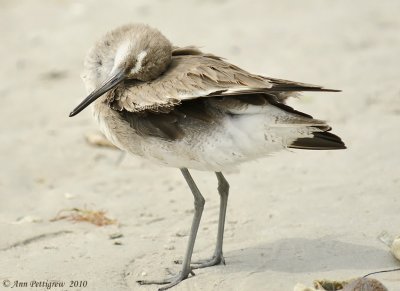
(215, 148)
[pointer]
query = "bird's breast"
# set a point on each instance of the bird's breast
(116, 130)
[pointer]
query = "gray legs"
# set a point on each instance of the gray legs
(198, 210)
(217, 258)
(223, 189)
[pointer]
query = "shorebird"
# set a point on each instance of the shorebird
(183, 108)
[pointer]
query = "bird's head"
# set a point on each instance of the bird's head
(130, 52)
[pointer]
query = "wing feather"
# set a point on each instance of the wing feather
(193, 74)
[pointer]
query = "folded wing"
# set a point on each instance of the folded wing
(193, 74)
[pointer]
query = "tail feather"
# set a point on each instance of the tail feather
(319, 141)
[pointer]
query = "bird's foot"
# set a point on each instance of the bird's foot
(216, 259)
(175, 280)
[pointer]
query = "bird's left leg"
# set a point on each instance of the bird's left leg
(198, 210)
(217, 258)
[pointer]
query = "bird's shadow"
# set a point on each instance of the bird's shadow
(301, 255)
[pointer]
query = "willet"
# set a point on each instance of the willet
(187, 109)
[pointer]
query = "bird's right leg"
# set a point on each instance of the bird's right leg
(198, 211)
(217, 258)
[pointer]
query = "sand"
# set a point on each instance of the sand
(292, 218)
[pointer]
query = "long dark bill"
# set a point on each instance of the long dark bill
(106, 86)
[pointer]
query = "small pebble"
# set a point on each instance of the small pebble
(167, 247)
(28, 219)
(395, 248)
(115, 235)
(180, 234)
(69, 196)
(98, 140)
(365, 284)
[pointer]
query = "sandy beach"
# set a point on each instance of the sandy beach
(294, 217)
